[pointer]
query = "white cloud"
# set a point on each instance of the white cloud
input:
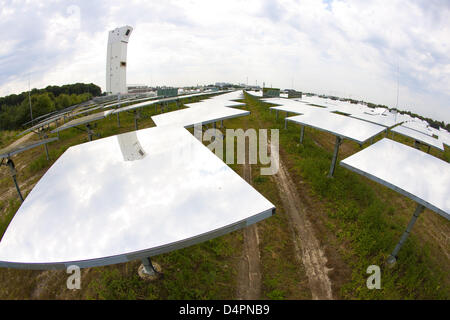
(344, 48)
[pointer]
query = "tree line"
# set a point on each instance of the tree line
(15, 108)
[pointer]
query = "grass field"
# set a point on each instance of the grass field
(358, 222)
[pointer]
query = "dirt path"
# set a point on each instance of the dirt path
(24, 188)
(308, 247)
(249, 272)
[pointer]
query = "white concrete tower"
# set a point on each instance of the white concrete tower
(116, 60)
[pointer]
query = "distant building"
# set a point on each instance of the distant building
(294, 94)
(167, 92)
(138, 88)
(271, 92)
(223, 84)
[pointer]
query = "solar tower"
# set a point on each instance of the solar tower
(116, 60)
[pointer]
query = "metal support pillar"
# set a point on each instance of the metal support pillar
(335, 155)
(149, 271)
(89, 131)
(213, 138)
(136, 117)
(428, 151)
(43, 135)
(148, 267)
(302, 133)
(285, 123)
(118, 116)
(46, 151)
(13, 172)
(393, 256)
(276, 114)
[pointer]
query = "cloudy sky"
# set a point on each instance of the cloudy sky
(355, 49)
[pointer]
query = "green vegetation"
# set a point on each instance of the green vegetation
(203, 271)
(15, 108)
(7, 137)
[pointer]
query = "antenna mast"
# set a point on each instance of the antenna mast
(396, 105)
(29, 100)
(398, 81)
